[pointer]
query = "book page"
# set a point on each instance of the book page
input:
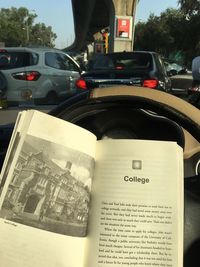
(137, 205)
(45, 198)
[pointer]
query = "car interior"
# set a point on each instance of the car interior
(140, 113)
(132, 112)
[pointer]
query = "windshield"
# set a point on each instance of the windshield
(126, 61)
(45, 49)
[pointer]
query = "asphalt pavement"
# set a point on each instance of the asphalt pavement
(9, 114)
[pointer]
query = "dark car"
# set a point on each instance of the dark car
(174, 68)
(139, 68)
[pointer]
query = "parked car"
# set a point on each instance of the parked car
(37, 74)
(140, 68)
(174, 68)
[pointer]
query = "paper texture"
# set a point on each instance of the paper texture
(56, 174)
(45, 199)
(136, 215)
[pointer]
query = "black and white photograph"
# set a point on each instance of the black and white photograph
(50, 188)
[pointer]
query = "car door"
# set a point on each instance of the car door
(62, 72)
(13, 63)
(54, 74)
(71, 72)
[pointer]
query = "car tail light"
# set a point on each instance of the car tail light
(150, 83)
(81, 84)
(27, 75)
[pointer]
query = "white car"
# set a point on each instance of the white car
(40, 75)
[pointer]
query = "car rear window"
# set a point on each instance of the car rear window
(13, 60)
(129, 61)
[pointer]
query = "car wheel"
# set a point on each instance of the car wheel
(51, 98)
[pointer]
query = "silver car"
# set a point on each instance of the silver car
(40, 75)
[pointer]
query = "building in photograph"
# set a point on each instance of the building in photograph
(40, 188)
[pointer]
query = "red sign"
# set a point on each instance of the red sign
(123, 28)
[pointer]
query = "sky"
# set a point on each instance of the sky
(57, 14)
(60, 16)
(146, 7)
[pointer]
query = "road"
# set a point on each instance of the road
(9, 115)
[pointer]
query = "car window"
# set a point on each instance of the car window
(126, 61)
(67, 63)
(41, 30)
(103, 62)
(60, 61)
(12, 60)
(52, 60)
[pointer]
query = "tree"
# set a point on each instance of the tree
(43, 35)
(162, 33)
(172, 34)
(17, 28)
(152, 35)
(190, 7)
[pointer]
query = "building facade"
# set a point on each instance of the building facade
(40, 188)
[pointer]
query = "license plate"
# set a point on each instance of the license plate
(107, 85)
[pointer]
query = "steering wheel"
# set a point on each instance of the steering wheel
(174, 108)
(165, 105)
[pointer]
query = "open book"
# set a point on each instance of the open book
(68, 200)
